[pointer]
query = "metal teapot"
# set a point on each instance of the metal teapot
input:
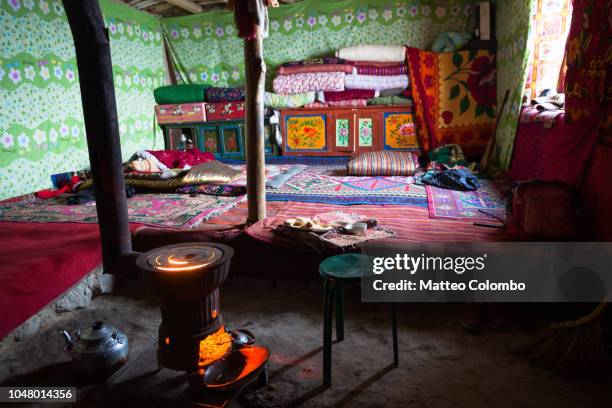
(97, 351)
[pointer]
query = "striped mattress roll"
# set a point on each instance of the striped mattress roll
(383, 163)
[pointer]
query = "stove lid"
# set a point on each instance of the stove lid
(179, 258)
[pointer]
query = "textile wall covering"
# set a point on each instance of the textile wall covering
(207, 50)
(550, 24)
(41, 121)
(512, 21)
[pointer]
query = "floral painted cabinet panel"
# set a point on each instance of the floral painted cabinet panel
(307, 132)
(343, 132)
(400, 131)
(347, 131)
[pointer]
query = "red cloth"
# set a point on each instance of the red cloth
(560, 153)
(176, 159)
(349, 94)
(39, 262)
(588, 80)
(597, 194)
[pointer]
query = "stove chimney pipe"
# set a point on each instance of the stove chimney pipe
(100, 111)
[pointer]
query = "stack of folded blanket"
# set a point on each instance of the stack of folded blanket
(297, 81)
(356, 77)
(378, 68)
(192, 93)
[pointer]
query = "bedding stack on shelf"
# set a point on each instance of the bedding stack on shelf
(378, 68)
(357, 76)
(297, 82)
(197, 103)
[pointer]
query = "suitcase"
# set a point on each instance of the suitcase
(225, 110)
(181, 113)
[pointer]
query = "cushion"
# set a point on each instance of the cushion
(211, 172)
(383, 163)
(454, 97)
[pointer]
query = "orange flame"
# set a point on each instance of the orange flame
(214, 347)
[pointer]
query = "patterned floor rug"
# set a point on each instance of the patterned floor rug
(465, 205)
(163, 210)
(313, 186)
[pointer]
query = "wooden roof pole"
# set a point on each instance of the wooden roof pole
(102, 130)
(188, 5)
(255, 69)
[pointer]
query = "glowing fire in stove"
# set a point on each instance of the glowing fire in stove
(214, 347)
(182, 262)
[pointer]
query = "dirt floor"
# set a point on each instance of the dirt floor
(440, 364)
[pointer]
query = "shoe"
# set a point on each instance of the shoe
(496, 317)
(473, 317)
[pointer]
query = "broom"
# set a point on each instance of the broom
(574, 347)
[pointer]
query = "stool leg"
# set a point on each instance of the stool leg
(394, 334)
(327, 332)
(339, 311)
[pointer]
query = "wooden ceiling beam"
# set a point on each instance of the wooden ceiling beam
(211, 2)
(147, 3)
(160, 8)
(188, 5)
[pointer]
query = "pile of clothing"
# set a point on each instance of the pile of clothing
(190, 172)
(448, 168)
(356, 76)
(544, 109)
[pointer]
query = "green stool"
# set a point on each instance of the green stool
(337, 270)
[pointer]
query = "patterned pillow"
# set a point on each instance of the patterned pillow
(383, 163)
(454, 97)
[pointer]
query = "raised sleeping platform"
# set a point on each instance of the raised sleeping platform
(47, 247)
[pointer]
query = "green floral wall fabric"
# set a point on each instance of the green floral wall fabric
(207, 50)
(41, 120)
(513, 18)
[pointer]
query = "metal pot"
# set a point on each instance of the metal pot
(97, 351)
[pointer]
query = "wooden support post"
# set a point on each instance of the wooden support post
(255, 69)
(100, 112)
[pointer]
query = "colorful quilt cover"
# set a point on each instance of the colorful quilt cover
(466, 205)
(455, 97)
(313, 186)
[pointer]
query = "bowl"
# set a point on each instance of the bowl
(355, 228)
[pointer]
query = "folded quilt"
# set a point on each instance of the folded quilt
(376, 82)
(314, 61)
(354, 103)
(385, 71)
(378, 64)
(319, 81)
(315, 105)
(185, 93)
(276, 101)
(384, 53)
(303, 69)
(393, 92)
(390, 100)
(215, 94)
(348, 94)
